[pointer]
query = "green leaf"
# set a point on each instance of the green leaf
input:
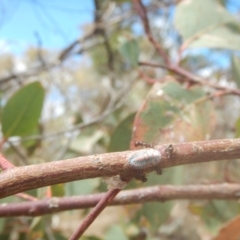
(207, 24)
(36, 223)
(170, 176)
(91, 238)
(81, 187)
(116, 233)
(57, 236)
(236, 69)
(177, 92)
(154, 118)
(173, 113)
(4, 236)
(157, 213)
(224, 37)
(23, 110)
(58, 190)
(216, 212)
(237, 126)
(121, 137)
(2, 223)
(130, 51)
(154, 214)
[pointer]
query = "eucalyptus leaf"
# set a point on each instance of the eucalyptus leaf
(116, 233)
(207, 24)
(130, 51)
(82, 187)
(23, 110)
(120, 139)
(236, 69)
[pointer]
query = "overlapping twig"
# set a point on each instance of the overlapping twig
(221, 191)
(192, 77)
(141, 10)
(105, 200)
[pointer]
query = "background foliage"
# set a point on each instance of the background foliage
(80, 102)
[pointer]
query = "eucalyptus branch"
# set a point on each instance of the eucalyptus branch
(106, 199)
(141, 10)
(4, 163)
(221, 191)
(192, 77)
(20, 179)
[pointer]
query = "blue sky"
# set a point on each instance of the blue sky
(56, 23)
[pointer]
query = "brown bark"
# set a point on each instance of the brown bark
(136, 196)
(20, 179)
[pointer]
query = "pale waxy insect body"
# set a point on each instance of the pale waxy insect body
(144, 158)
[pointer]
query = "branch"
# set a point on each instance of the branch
(107, 198)
(141, 10)
(20, 179)
(102, 31)
(137, 196)
(194, 78)
(4, 163)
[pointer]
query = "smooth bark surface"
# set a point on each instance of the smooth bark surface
(20, 179)
(136, 196)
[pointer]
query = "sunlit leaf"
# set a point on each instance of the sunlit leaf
(217, 29)
(23, 110)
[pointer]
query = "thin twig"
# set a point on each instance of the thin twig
(22, 157)
(220, 191)
(141, 10)
(108, 197)
(146, 78)
(194, 78)
(4, 163)
(26, 197)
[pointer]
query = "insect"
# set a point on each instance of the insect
(144, 158)
(143, 144)
(169, 150)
